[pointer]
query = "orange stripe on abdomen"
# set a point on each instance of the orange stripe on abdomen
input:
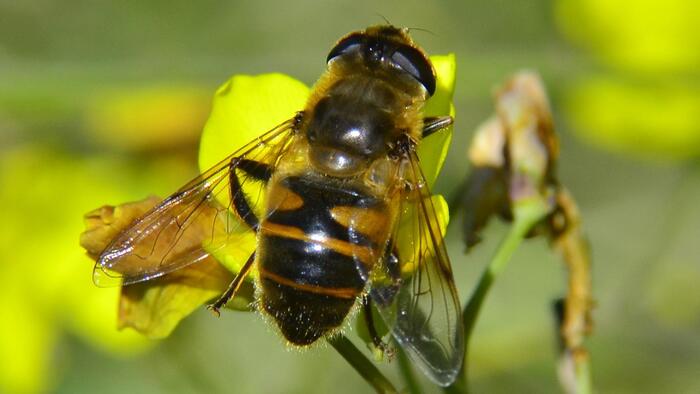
(346, 293)
(363, 253)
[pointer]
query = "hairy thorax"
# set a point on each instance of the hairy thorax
(355, 122)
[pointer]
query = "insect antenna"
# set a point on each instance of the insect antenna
(421, 29)
(385, 19)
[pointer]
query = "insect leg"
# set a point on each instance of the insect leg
(261, 172)
(432, 124)
(258, 171)
(384, 296)
(369, 321)
(233, 287)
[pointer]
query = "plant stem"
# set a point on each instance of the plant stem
(362, 365)
(583, 377)
(412, 385)
(525, 219)
(573, 313)
(526, 215)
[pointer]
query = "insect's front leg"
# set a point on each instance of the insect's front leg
(256, 170)
(405, 144)
(432, 124)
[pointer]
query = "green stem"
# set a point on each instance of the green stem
(412, 385)
(362, 365)
(584, 384)
(498, 263)
(526, 215)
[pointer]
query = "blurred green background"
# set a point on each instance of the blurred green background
(103, 102)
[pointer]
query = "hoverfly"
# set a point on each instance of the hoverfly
(325, 193)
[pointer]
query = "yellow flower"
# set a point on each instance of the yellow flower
(45, 284)
(642, 36)
(155, 117)
(647, 102)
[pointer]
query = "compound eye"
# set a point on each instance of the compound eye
(351, 43)
(414, 62)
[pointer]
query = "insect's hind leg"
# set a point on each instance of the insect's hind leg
(383, 297)
(372, 329)
(256, 170)
(432, 124)
(233, 287)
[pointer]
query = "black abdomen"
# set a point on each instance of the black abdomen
(310, 279)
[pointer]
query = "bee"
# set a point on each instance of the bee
(339, 206)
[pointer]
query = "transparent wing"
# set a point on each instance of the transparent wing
(413, 287)
(201, 218)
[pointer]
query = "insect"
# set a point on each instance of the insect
(339, 206)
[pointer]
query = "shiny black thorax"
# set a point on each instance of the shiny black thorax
(372, 94)
(355, 122)
(356, 116)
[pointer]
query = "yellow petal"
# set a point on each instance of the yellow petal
(27, 339)
(244, 108)
(658, 120)
(432, 151)
(646, 36)
(147, 118)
